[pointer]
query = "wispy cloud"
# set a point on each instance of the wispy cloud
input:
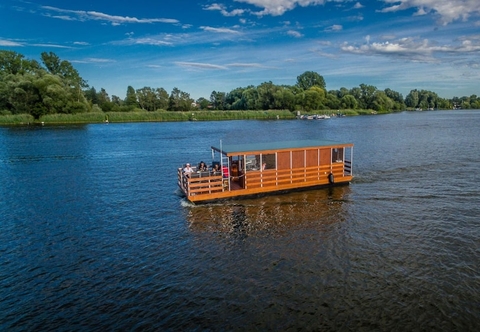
(358, 5)
(246, 65)
(148, 41)
(93, 60)
(294, 33)
(10, 43)
(222, 9)
(413, 49)
(80, 15)
(335, 27)
(81, 43)
(448, 11)
(219, 30)
(279, 7)
(321, 53)
(50, 45)
(200, 65)
(210, 66)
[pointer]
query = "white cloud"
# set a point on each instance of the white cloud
(148, 41)
(358, 5)
(81, 43)
(294, 33)
(80, 15)
(50, 45)
(279, 7)
(448, 11)
(219, 30)
(99, 60)
(222, 9)
(335, 27)
(10, 43)
(414, 49)
(200, 65)
(246, 65)
(93, 60)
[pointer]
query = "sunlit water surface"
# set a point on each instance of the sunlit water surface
(94, 234)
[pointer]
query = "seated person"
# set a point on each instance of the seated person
(188, 170)
(215, 169)
(202, 167)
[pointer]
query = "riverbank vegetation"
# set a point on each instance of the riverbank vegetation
(54, 92)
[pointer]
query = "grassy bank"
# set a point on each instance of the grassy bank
(143, 116)
(164, 116)
(16, 119)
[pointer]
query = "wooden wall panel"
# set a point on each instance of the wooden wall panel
(283, 160)
(325, 156)
(312, 157)
(298, 159)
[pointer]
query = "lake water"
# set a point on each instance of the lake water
(94, 234)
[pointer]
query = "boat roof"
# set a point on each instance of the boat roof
(269, 146)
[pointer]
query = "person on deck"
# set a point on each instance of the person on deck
(215, 169)
(187, 170)
(202, 167)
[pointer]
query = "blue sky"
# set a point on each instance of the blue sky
(201, 46)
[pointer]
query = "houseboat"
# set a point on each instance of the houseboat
(260, 168)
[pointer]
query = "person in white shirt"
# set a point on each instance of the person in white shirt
(187, 170)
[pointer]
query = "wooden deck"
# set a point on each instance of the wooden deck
(259, 168)
(208, 188)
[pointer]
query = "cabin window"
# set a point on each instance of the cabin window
(269, 161)
(252, 162)
(337, 155)
(260, 161)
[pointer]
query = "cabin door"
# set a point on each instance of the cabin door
(237, 172)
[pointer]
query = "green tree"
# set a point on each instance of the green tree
(250, 96)
(349, 102)
(309, 79)
(218, 99)
(203, 103)
(368, 95)
(162, 98)
(21, 93)
(131, 98)
(381, 102)
(266, 92)
(91, 95)
(284, 99)
(179, 101)
(311, 99)
(332, 102)
(234, 99)
(397, 98)
(412, 99)
(147, 99)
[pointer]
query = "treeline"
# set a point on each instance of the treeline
(55, 87)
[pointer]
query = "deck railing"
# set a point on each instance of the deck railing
(201, 183)
(348, 167)
(308, 175)
(207, 183)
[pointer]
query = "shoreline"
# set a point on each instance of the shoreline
(169, 116)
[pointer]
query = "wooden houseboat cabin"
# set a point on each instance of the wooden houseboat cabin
(259, 168)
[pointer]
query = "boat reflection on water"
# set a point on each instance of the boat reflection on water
(272, 214)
